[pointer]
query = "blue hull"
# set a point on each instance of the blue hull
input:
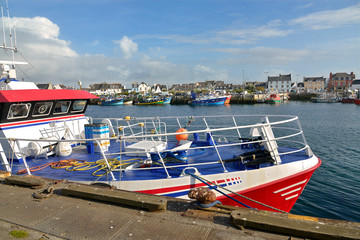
(167, 100)
(112, 103)
(218, 101)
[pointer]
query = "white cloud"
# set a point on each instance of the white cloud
(127, 46)
(202, 68)
(254, 33)
(262, 55)
(330, 18)
(41, 36)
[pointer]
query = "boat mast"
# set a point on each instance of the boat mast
(3, 23)
(4, 46)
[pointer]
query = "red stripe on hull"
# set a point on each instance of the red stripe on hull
(281, 194)
(177, 188)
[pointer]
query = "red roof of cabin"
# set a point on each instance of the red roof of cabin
(27, 95)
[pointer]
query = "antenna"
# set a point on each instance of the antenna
(11, 41)
(3, 23)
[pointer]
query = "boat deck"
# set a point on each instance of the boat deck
(83, 166)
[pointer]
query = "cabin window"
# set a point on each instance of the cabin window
(19, 110)
(78, 106)
(62, 107)
(42, 108)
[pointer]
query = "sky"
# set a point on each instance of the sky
(181, 41)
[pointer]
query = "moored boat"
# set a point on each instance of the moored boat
(167, 100)
(274, 98)
(128, 102)
(45, 133)
(150, 101)
(348, 100)
(110, 101)
(324, 98)
(228, 99)
(209, 99)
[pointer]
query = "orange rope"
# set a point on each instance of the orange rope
(58, 164)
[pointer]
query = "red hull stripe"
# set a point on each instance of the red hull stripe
(163, 191)
(177, 188)
(39, 121)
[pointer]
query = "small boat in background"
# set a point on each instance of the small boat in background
(274, 98)
(228, 98)
(348, 100)
(111, 101)
(167, 99)
(128, 102)
(209, 99)
(150, 101)
(324, 98)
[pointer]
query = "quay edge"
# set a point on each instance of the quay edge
(111, 214)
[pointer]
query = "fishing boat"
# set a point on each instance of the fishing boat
(228, 98)
(167, 99)
(348, 100)
(264, 164)
(128, 102)
(209, 99)
(325, 98)
(150, 101)
(274, 98)
(111, 101)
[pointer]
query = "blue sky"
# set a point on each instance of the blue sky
(173, 41)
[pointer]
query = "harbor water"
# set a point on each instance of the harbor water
(331, 130)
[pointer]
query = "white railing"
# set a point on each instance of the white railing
(163, 128)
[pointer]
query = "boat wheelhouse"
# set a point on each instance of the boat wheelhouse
(40, 114)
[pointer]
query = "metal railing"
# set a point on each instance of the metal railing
(131, 130)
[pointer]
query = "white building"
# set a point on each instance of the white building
(144, 88)
(281, 83)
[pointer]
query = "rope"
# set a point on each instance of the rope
(215, 188)
(82, 165)
(209, 205)
(260, 203)
(58, 164)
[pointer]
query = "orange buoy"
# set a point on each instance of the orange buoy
(182, 136)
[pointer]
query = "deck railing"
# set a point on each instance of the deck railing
(284, 130)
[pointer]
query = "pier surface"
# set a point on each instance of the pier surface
(48, 209)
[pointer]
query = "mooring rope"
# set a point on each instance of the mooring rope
(203, 180)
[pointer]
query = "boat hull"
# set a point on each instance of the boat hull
(228, 98)
(280, 193)
(214, 101)
(130, 102)
(112, 103)
(167, 100)
(160, 102)
(348, 100)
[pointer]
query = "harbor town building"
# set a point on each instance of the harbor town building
(281, 83)
(340, 81)
(314, 84)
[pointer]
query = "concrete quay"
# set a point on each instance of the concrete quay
(49, 209)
